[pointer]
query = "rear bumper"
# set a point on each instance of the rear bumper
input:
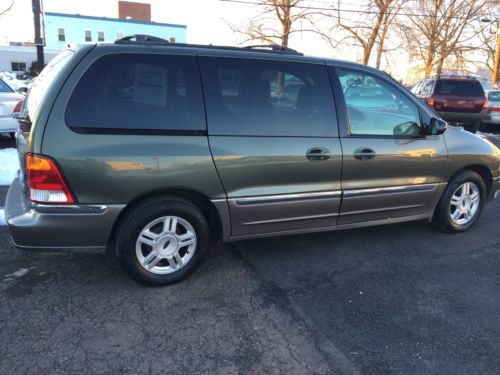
(8, 124)
(462, 117)
(490, 119)
(57, 228)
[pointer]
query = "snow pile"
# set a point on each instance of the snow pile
(9, 164)
(2, 217)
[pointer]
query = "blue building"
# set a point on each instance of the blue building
(62, 29)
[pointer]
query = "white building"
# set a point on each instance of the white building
(20, 58)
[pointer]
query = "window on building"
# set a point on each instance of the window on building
(100, 36)
(119, 35)
(60, 34)
(18, 66)
(88, 35)
(134, 92)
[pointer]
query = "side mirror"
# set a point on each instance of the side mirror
(436, 126)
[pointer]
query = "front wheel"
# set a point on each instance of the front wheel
(462, 202)
(162, 240)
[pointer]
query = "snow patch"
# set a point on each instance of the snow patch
(2, 217)
(14, 275)
(9, 164)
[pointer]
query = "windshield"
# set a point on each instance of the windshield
(42, 83)
(5, 87)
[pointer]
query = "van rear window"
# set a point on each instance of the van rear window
(459, 87)
(42, 83)
(135, 92)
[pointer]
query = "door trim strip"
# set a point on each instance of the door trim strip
(389, 190)
(267, 199)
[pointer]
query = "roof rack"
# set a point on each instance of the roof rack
(141, 39)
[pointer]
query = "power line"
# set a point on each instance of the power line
(250, 2)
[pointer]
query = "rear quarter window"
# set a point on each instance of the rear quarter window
(459, 88)
(5, 87)
(140, 93)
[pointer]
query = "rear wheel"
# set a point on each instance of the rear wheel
(462, 202)
(162, 240)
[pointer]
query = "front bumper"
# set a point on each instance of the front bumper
(495, 191)
(57, 228)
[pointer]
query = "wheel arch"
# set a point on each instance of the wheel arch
(198, 199)
(482, 171)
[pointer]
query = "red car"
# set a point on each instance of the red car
(456, 100)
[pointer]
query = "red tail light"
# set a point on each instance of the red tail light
(18, 107)
(430, 101)
(495, 109)
(45, 181)
(485, 104)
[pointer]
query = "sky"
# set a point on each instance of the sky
(206, 22)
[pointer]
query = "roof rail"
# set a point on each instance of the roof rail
(140, 39)
(273, 48)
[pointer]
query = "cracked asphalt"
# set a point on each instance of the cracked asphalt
(398, 299)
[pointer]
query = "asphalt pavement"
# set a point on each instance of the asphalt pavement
(401, 299)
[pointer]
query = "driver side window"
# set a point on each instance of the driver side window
(377, 108)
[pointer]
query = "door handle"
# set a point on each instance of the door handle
(364, 153)
(318, 154)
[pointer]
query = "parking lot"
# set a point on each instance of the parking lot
(403, 298)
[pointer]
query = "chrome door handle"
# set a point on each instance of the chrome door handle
(318, 154)
(364, 153)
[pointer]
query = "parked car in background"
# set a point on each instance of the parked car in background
(493, 112)
(10, 104)
(20, 86)
(149, 148)
(458, 100)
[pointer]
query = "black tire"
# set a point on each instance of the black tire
(442, 218)
(143, 214)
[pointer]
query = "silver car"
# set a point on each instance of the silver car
(493, 116)
(10, 103)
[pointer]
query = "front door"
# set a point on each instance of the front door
(274, 139)
(391, 171)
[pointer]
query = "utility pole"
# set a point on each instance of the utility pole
(39, 37)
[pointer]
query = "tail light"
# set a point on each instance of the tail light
(45, 181)
(430, 101)
(18, 107)
(485, 104)
(495, 109)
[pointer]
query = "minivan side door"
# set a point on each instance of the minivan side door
(274, 139)
(391, 170)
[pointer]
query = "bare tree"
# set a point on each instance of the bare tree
(276, 22)
(362, 28)
(3, 11)
(438, 29)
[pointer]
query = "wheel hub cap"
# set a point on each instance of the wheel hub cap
(464, 203)
(166, 245)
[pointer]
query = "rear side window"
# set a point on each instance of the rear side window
(426, 89)
(460, 88)
(267, 98)
(140, 93)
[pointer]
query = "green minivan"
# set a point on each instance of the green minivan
(151, 148)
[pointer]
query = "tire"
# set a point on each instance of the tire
(154, 244)
(12, 136)
(460, 216)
